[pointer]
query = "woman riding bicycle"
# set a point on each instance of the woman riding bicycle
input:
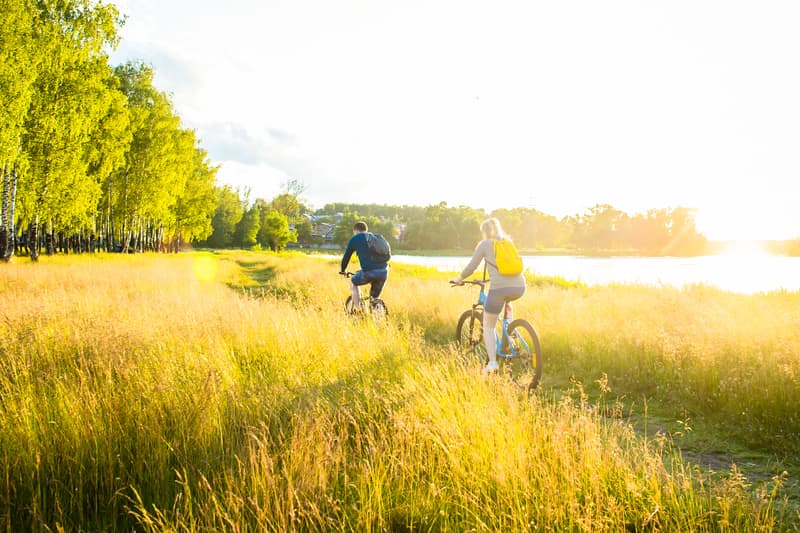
(502, 289)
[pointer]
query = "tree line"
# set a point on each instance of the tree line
(601, 229)
(91, 156)
(238, 223)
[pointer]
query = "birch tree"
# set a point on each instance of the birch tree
(19, 61)
(65, 109)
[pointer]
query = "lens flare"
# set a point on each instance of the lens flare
(205, 268)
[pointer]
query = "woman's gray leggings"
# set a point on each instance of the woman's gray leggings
(497, 297)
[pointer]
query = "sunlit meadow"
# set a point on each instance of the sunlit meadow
(229, 392)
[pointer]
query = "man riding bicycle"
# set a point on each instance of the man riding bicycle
(372, 271)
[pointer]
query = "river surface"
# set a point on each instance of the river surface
(743, 273)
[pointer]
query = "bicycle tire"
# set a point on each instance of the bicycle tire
(469, 335)
(526, 368)
(348, 306)
(379, 310)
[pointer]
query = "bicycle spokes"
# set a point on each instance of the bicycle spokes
(526, 354)
(518, 344)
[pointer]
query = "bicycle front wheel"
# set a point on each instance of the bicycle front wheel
(525, 359)
(469, 335)
(349, 308)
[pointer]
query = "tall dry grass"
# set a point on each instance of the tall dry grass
(229, 392)
(731, 359)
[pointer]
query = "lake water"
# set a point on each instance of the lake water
(743, 273)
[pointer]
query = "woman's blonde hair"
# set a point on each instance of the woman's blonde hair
(492, 229)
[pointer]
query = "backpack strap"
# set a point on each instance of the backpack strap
(486, 260)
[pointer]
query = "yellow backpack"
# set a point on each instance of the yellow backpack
(509, 263)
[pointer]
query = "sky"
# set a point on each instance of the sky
(553, 105)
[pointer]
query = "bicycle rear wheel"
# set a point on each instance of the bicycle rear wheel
(380, 313)
(525, 361)
(469, 335)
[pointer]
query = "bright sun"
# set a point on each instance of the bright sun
(746, 223)
(743, 249)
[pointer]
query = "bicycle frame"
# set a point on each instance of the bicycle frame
(503, 340)
(366, 302)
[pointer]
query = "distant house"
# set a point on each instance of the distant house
(399, 230)
(321, 227)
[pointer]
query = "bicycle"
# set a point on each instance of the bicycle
(377, 307)
(518, 348)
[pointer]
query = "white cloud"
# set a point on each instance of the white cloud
(262, 180)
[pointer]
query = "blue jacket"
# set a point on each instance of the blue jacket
(358, 244)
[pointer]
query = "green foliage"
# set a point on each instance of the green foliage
(530, 228)
(195, 206)
(72, 95)
(445, 227)
(403, 213)
(601, 229)
(105, 153)
(227, 215)
(20, 56)
(304, 231)
(344, 229)
(275, 233)
(289, 206)
(247, 229)
(160, 155)
(97, 150)
(657, 232)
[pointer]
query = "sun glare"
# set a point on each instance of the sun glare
(745, 249)
(205, 268)
(747, 225)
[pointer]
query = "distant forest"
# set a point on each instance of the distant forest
(601, 229)
(287, 220)
(439, 227)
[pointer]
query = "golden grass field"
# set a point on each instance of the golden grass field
(229, 392)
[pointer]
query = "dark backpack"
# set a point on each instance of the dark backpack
(379, 249)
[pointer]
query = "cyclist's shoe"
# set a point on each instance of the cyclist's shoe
(490, 367)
